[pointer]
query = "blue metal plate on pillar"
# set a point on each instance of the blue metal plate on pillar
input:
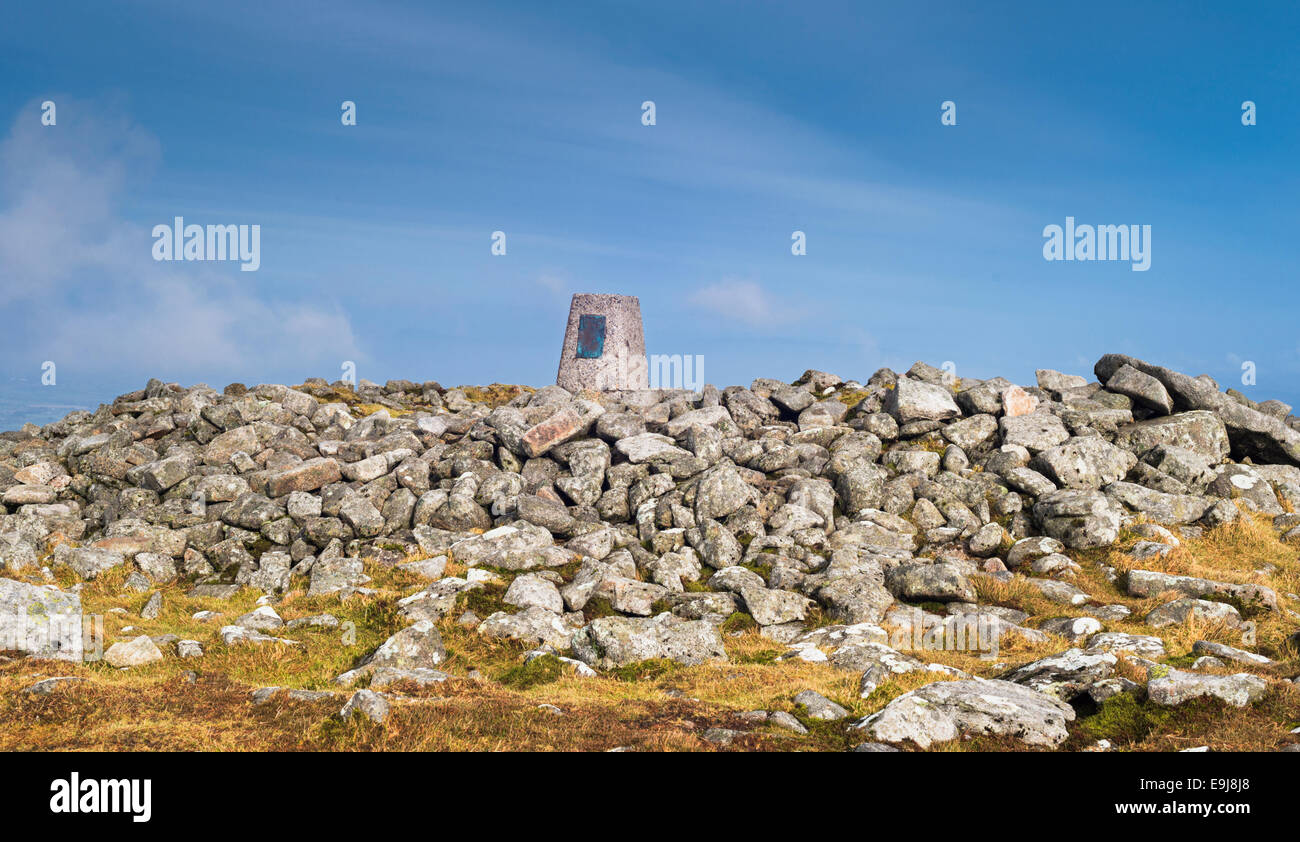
(591, 337)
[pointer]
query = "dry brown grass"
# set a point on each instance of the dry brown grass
(205, 704)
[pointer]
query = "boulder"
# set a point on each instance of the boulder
(948, 710)
(611, 642)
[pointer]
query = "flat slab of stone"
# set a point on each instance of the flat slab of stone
(617, 641)
(1171, 687)
(947, 710)
(1153, 583)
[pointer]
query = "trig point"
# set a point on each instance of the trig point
(604, 346)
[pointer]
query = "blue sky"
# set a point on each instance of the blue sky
(924, 241)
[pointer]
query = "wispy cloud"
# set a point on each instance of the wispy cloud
(92, 296)
(739, 300)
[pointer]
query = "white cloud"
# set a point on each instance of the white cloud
(554, 284)
(90, 294)
(739, 300)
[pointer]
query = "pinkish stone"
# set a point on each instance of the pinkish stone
(305, 476)
(994, 565)
(1016, 401)
(555, 430)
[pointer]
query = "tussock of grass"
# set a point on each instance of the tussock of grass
(495, 394)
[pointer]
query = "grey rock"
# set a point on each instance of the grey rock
(1171, 687)
(1145, 583)
(531, 590)
(137, 652)
(1036, 432)
(945, 710)
(1200, 432)
(1199, 610)
(617, 641)
(532, 625)
(1142, 388)
(818, 706)
(912, 400)
(1084, 462)
(1066, 675)
(46, 686)
(925, 582)
(43, 622)
(152, 607)
(1080, 519)
(1231, 653)
(367, 703)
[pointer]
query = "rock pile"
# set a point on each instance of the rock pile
(787, 502)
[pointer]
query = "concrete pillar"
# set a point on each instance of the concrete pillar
(604, 346)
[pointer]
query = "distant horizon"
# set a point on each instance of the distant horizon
(19, 403)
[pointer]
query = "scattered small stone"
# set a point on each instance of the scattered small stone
(134, 653)
(818, 706)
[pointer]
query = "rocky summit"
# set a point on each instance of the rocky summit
(909, 561)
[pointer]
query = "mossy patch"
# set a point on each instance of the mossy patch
(495, 394)
(645, 670)
(541, 670)
(598, 607)
(1123, 719)
(739, 622)
(484, 601)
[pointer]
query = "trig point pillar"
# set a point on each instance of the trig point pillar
(604, 346)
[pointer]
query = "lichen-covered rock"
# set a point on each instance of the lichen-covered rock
(367, 703)
(947, 710)
(1085, 462)
(1198, 610)
(43, 622)
(1169, 687)
(533, 625)
(611, 642)
(1199, 432)
(929, 582)
(1066, 675)
(911, 400)
(1080, 519)
(1146, 583)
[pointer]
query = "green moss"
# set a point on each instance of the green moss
(852, 397)
(643, 670)
(597, 608)
(817, 618)
(1123, 719)
(568, 571)
(764, 656)
(484, 601)
(541, 670)
(739, 622)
